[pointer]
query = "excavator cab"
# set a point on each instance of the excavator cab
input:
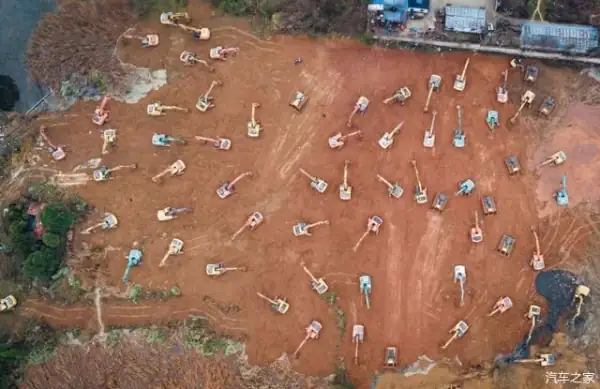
(506, 245)
(298, 101)
(391, 357)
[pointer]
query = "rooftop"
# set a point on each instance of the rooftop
(558, 37)
(465, 19)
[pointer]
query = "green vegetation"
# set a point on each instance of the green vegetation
(153, 8)
(340, 379)
(367, 38)
(330, 297)
(137, 293)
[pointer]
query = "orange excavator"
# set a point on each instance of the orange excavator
(101, 114)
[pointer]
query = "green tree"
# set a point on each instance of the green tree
(42, 264)
(52, 240)
(57, 218)
(22, 239)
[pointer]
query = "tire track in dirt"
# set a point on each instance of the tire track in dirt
(394, 292)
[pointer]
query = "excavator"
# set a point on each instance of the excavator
(400, 96)
(387, 140)
(175, 248)
(171, 213)
(429, 137)
(189, 58)
(218, 269)
(228, 187)
(476, 232)
(434, 84)
(303, 228)
(221, 53)
(465, 187)
(251, 224)
(394, 190)
(420, 191)
(7, 303)
(204, 102)
(164, 140)
(373, 225)
(148, 40)
(101, 114)
(502, 90)
(501, 306)
(581, 292)
(460, 276)
(459, 138)
(366, 286)
(158, 109)
(277, 304)
(516, 63)
(537, 260)
(57, 152)
(547, 106)
(134, 258)
(201, 34)
(312, 332)
(318, 184)
(254, 126)
(506, 245)
(512, 165)
(534, 314)
(526, 99)
(104, 173)
(109, 138)
(492, 120)
(541, 359)
(555, 159)
(174, 18)
(175, 169)
(298, 101)
(360, 107)
(108, 222)
(218, 143)
(338, 140)
(561, 195)
(458, 331)
(461, 80)
(358, 337)
(317, 284)
(531, 74)
(345, 189)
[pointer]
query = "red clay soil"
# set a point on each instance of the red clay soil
(415, 301)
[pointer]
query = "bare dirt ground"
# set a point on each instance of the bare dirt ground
(411, 261)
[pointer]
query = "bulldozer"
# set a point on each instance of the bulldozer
(101, 113)
(358, 336)
(205, 101)
(541, 359)
(218, 269)
(174, 18)
(512, 165)
(254, 126)
(277, 304)
(303, 228)
(159, 109)
(547, 106)
(394, 190)
(537, 260)
(189, 58)
(429, 137)
(506, 245)
(555, 159)
(489, 205)
(338, 140)
(502, 90)
(170, 213)
(459, 138)
(8, 303)
(465, 187)
(345, 189)
(492, 120)
(458, 331)
(312, 332)
(434, 83)
(109, 138)
(476, 231)
(501, 306)
(317, 284)
(420, 190)
(316, 183)
(134, 258)
(387, 140)
(439, 202)
(175, 169)
(218, 143)
(175, 248)
(360, 107)
(526, 99)
(298, 101)
(561, 195)
(164, 140)
(228, 187)
(460, 276)
(251, 224)
(105, 174)
(373, 225)
(461, 80)
(400, 96)
(58, 152)
(148, 40)
(531, 74)
(366, 286)
(108, 222)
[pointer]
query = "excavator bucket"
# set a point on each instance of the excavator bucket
(506, 245)
(298, 101)
(512, 165)
(489, 205)
(439, 202)
(365, 289)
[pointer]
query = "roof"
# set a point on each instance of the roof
(465, 19)
(418, 4)
(394, 10)
(558, 37)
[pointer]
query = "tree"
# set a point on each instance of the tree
(42, 264)
(57, 218)
(52, 240)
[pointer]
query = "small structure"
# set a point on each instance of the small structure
(418, 9)
(465, 19)
(565, 38)
(393, 12)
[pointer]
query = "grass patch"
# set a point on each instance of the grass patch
(153, 8)
(330, 297)
(137, 293)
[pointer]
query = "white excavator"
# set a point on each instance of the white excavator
(175, 169)
(360, 107)
(254, 126)
(205, 101)
(159, 109)
(221, 53)
(189, 58)
(148, 40)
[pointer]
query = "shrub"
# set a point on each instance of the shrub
(42, 264)
(57, 219)
(52, 240)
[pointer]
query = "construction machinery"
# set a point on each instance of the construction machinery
(345, 189)
(108, 222)
(148, 40)
(501, 306)
(175, 248)
(489, 205)
(420, 190)
(561, 195)
(164, 140)
(7, 303)
(512, 165)
(318, 284)
(476, 231)
(400, 96)
(434, 83)
(439, 202)
(460, 276)
(541, 359)
(502, 90)
(316, 183)
(388, 138)
(492, 120)
(358, 336)
(298, 101)
(338, 140)
(218, 269)
(205, 101)
(555, 159)
(506, 245)
(254, 126)
(109, 138)
(360, 107)
(174, 18)
(537, 260)
(516, 63)
(202, 33)
(175, 169)
(526, 100)
(458, 331)
(365, 288)
(429, 137)
(534, 314)
(218, 143)
(547, 106)
(222, 53)
(581, 292)
(58, 152)
(159, 109)
(531, 74)
(373, 225)
(461, 79)
(465, 187)
(312, 332)
(189, 58)
(228, 187)
(101, 113)
(134, 258)
(277, 304)
(394, 190)
(171, 213)
(105, 174)
(458, 140)
(303, 228)
(253, 221)
(391, 357)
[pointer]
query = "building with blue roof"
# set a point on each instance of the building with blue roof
(465, 19)
(566, 38)
(394, 11)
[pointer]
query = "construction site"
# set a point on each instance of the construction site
(365, 203)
